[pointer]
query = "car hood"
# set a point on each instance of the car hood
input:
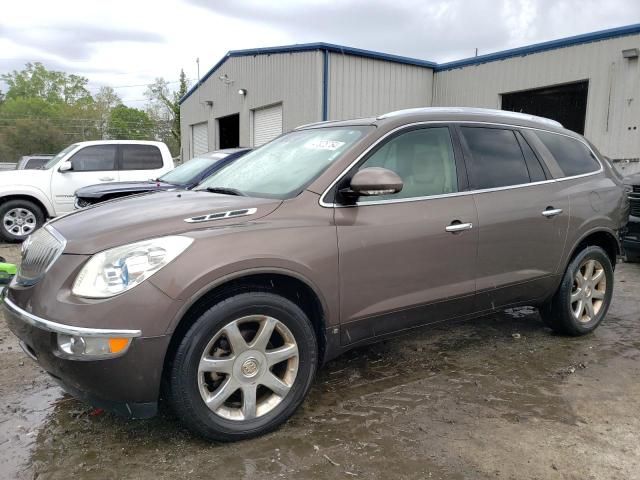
(102, 189)
(21, 177)
(131, 219)
(632, 179)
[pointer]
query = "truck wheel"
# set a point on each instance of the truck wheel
(584, 296)
(244, 367)
(20, 218)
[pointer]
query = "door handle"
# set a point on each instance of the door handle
(106, 179)
(552, 212)
(458, 227)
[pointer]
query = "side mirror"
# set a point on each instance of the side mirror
(66, 166)
(374, 181)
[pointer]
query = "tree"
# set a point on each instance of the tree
(129, 124)
(35, 81)
(164, 106)
(105, 101)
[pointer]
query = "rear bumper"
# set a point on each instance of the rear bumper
(128, 385)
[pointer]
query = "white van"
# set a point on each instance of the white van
(29, 197)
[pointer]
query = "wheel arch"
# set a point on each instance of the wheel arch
(28, 197)
(603, 238)
(285, 283)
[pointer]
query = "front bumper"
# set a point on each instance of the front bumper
(128, 385)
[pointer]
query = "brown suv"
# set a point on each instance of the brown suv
(227, 298)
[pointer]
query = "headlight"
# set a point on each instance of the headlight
(117, 270)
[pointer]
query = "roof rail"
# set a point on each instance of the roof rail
(473, 111)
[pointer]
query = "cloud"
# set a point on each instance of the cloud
(437, 30)
(74, 42)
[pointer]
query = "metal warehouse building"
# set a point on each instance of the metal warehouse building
(590, 83)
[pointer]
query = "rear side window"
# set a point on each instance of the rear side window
(140, 157)
(95, 158)
(536, 172)
(496, 158)
(573, 156)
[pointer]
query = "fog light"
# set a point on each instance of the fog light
(87, 348)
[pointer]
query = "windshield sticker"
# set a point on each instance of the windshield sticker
(323, 145)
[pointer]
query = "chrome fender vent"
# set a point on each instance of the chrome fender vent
(243, 212)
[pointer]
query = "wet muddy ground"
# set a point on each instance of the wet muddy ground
(496, 397)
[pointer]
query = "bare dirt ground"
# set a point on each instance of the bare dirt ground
(498, 397)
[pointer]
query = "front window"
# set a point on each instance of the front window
(59, 156)
(191, 170)
(285, 166)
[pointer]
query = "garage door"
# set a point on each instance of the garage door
(200, 138)
(267, 124)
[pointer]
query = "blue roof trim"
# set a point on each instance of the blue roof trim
(491, 57)
(308, 47)
(542, 47)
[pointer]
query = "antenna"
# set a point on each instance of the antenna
(198, 82)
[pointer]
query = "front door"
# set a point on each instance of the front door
(408, 259)
(90, 165)
(523, 218)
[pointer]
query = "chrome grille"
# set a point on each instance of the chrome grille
(636, 189)
(635, 208)
(39, 251)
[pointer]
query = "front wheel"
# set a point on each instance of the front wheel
(244, 367)
(584, 296)
(20, 218)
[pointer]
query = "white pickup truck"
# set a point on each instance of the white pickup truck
(29, 197)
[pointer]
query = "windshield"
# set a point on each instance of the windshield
(57, 158)
(285, 166)
(191, 170)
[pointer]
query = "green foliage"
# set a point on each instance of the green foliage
(35, 81)
(43, 111)
(130, 123)
(164, 106)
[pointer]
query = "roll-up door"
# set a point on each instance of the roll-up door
(267, 124)
(200, 138)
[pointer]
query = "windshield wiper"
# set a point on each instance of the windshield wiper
(225, 191)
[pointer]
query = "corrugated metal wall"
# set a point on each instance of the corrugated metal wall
(364, 87)
(293, 79)
(613, 103)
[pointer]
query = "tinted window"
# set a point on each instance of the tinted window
(422, 158)
(573, 156)
(95, 158)
(536, 172)
(496, 158)
(140, 157)
(36, 162)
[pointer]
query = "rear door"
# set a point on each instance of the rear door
(90, 165)
(401, 264)
(523, 217)
(140, 162)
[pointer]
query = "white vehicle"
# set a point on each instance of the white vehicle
(29, 197)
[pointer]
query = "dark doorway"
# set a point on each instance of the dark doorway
(229, 131)
(565, 103)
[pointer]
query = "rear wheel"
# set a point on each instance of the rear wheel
(20, 218)
(244, 367)
(584, 296)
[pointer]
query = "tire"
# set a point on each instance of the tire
(567, 315)
(238, 370)
(19, 218)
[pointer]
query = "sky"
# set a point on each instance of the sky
(128, 43)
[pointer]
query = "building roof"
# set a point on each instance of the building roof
(491, 57)
(307, 47)
(543, 47)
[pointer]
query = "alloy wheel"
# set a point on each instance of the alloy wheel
(589, 290)
(248, 367)
(19, 222)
